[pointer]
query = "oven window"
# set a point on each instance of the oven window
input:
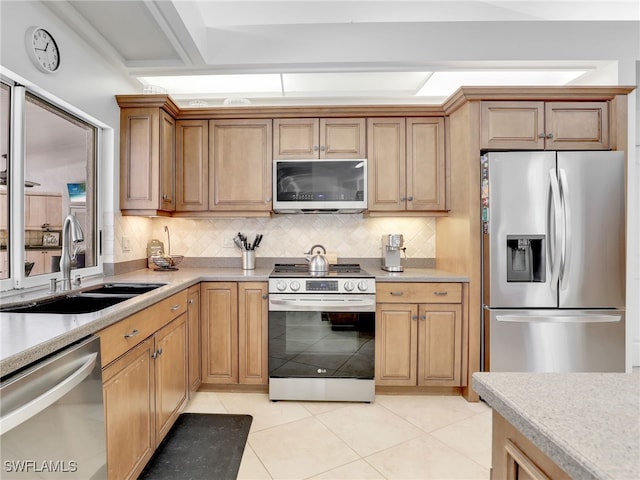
(321, 344)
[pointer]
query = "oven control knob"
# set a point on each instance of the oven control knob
(363, 285)
(281, 285)
(349, 286)
(294, 285)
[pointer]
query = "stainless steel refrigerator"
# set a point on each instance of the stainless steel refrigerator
(553, 261)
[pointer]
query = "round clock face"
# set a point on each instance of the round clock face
(43, 49)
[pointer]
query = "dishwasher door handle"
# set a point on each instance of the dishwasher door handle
(38, 404)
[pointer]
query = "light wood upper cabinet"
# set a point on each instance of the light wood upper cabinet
(147, 160)
(387, 164)
(544, 125)
(43, 211)
(319, 138)
(240, 165)
(407, 164)
(426, 186)
(192, 165)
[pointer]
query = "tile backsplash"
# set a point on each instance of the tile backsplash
(349, 236)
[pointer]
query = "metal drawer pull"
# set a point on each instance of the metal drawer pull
(133, 333)
(157, 353)
(396, 294)
(423, 317)
(414, 317)
(190, 301)
(175, 307)
(441, 294)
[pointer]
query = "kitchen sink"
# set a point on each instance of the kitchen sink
(86, 301)
(123, 288)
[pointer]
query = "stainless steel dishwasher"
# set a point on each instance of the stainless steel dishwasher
(52, 417)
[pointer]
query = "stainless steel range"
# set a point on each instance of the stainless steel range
(321, 334)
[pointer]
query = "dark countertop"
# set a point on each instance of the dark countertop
(587, 423)
(25, 338)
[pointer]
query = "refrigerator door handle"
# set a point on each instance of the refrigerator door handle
(566, 241)
(555, 245)
(558, 318)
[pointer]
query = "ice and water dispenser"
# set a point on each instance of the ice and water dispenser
(526, 258)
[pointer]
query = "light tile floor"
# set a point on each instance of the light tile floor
(395, 437)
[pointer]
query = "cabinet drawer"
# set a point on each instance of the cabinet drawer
(120, 337)
(419, 292)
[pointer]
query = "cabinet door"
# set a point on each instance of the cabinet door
(167, 162)
(386, 164)
(343, 138)
(170, 374)
(35, 207)
(240, 166)
(252, 333)
(439, 345)
(512, 125)
(38, 258)
(426, 182)
(53, 209)
(193, 319)
(128, 385)
(396, 347)
(192, 165)
(577, 125)
(219, 323)
(296, 138)
(147, 160)
(4, 211)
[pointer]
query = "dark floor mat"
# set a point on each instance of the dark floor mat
(200, 446)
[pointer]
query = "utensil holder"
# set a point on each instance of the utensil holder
(248, 259)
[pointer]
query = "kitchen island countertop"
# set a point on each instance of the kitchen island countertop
(587, 423)
(26, 338)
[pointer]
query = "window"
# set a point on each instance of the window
(51, 172)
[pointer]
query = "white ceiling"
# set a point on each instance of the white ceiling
(314, 51)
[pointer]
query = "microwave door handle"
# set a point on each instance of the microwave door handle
(566, 240)
(554, 245)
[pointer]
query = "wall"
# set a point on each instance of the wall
(349, 236)
(85, 81)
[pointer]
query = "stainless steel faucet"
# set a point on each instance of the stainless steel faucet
(71, 232)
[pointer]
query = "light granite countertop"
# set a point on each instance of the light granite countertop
(587, 423)
(26, 338)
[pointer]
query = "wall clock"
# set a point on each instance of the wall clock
(43, 49)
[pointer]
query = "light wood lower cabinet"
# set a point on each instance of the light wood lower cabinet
(514, 457)
(234, 333)
(144, 382)
(193, 320)
(419, 344)
(42, 261)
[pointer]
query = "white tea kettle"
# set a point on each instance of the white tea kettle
(318, 263)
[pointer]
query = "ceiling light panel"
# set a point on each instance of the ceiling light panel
(443, 84)
(212, 85)
(353, 83)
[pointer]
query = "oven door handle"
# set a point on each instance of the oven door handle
(350, 305)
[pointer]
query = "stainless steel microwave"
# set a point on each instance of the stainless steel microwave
(320, 186)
